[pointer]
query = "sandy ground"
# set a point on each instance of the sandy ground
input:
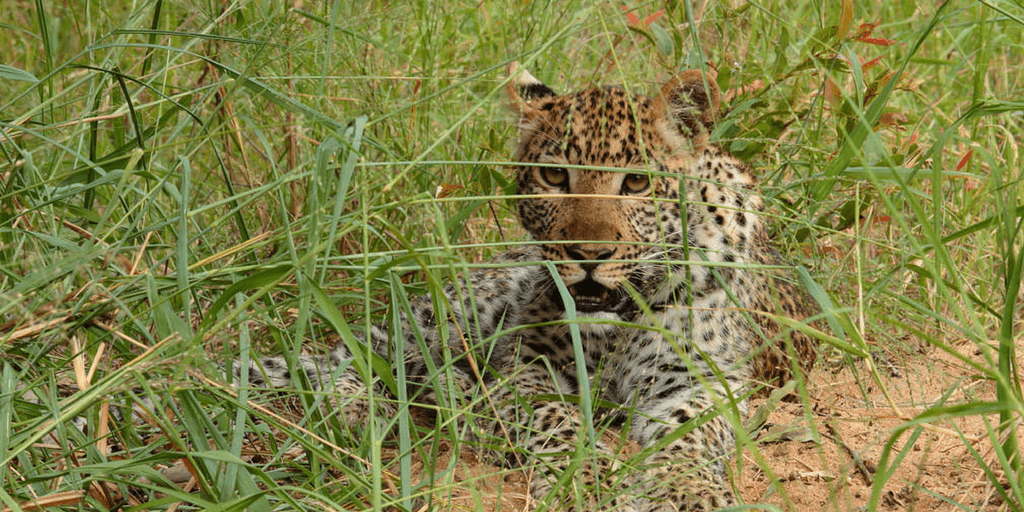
(856, 419)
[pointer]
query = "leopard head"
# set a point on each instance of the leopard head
(592, 165)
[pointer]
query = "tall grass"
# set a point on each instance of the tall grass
(186, 183)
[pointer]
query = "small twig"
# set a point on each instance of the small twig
(497, 223)
(32, 329)
(112, 330)
(142, 251)
(858, 462)
(52, 500)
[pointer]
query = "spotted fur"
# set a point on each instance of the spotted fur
(664, 252)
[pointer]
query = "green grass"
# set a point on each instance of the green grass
(184, 182)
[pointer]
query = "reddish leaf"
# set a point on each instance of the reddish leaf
(864, 35)
(633, 20)
(879, 219)
(865, 29)
(894, 119)
(963, 161)
(911, 140)
(870, 64)
(833, 94)
(654, 17)
(880, 41)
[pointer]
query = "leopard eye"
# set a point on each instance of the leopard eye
(554, 176)
(636, 183)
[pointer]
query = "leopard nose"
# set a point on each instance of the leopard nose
(592, 252)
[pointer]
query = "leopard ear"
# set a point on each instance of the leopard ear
(691, 99)
(524, 89)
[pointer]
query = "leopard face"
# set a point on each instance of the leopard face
(603, 197)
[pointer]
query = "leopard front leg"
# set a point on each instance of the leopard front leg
(538, 417)
(332, 374)
(694, 398)
(689, 473)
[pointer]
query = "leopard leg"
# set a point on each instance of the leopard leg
(689, 473)
(332, 374)
(546, 432)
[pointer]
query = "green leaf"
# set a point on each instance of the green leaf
(264, 280)
(781, 63)
(896, 174)
(821, 40)
(13, 73)
(238, 505)
(662, 40)
(907, 8)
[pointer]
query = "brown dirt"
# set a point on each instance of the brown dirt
(853, 419)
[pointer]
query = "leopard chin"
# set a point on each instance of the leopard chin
(599, 323)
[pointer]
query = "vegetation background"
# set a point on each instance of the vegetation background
(185, 181)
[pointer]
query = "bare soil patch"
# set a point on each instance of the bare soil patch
(855, 419)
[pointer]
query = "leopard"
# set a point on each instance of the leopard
(650, 283)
